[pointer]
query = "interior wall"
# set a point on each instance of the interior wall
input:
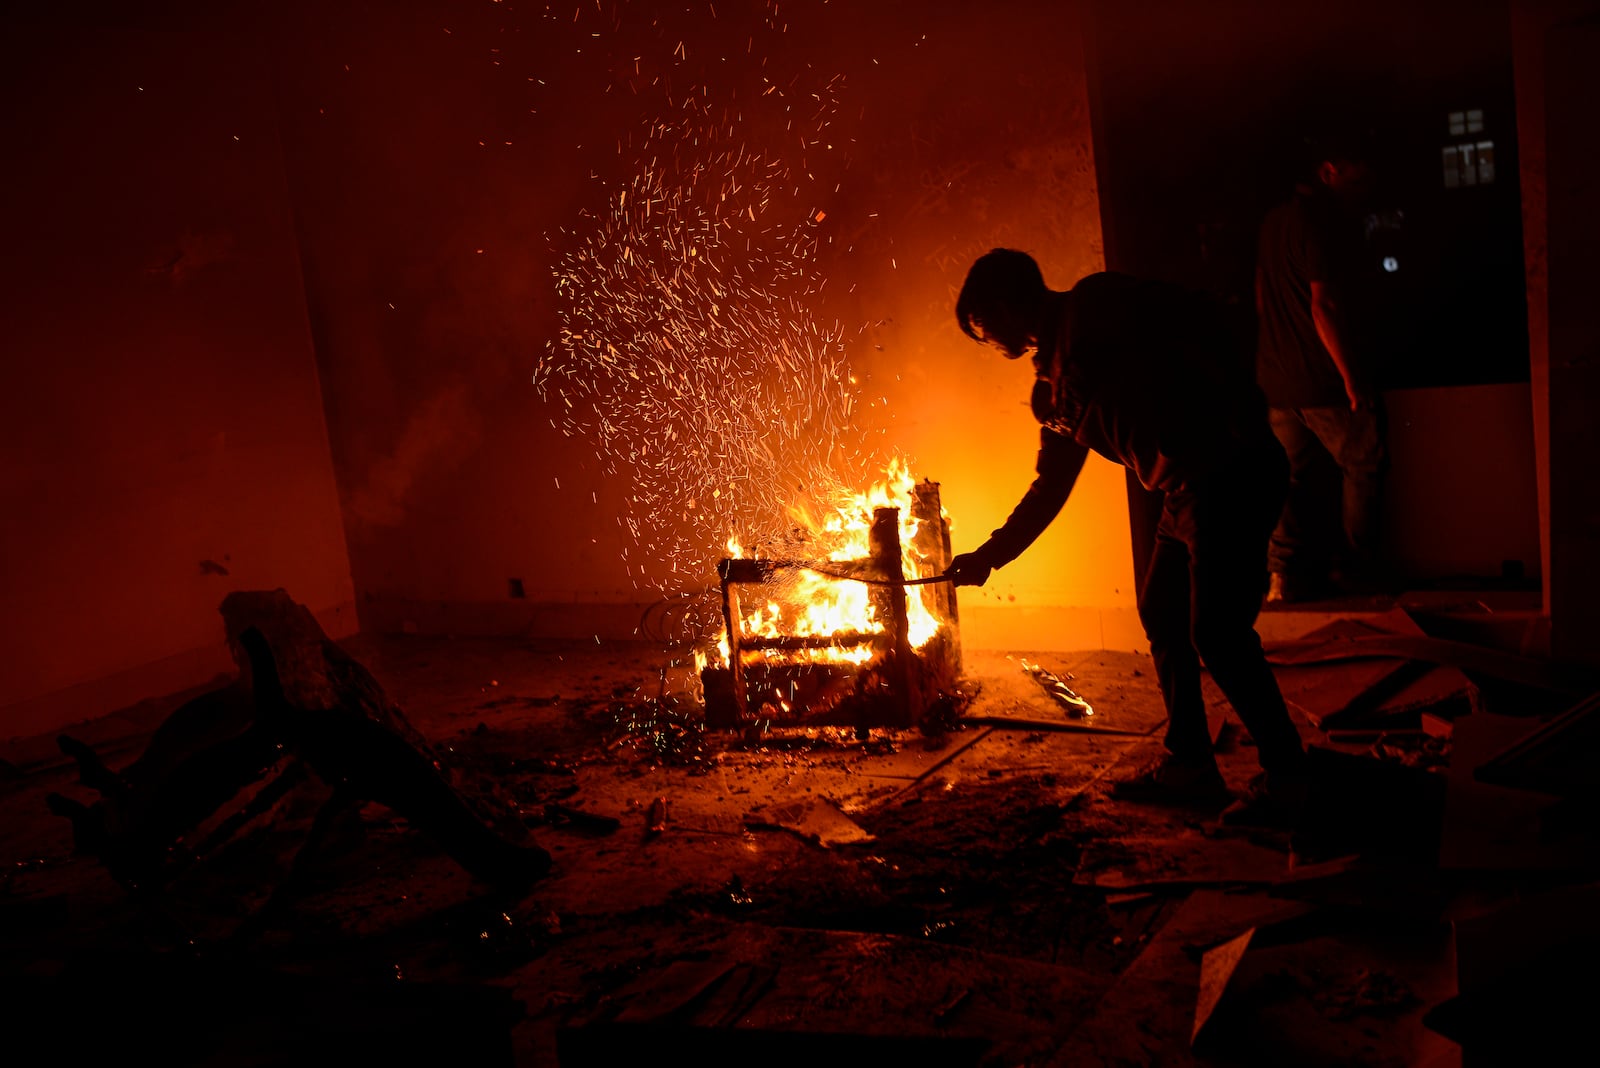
(1460, 500)
(1557, 93)
(163, 437)
(441, 158)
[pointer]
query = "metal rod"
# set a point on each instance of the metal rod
(747, 569)
(811, 641)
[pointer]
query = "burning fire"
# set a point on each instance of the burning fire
(815, 603)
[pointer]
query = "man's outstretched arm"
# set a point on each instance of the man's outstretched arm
(1060, 460)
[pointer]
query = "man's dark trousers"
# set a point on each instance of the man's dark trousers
(1354, 441)
(1200, 598)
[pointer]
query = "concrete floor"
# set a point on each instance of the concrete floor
(978, 884)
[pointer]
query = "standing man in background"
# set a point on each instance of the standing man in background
(1318, 388)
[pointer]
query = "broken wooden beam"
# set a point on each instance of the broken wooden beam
(1507, 667)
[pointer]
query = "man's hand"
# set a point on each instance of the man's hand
(1359, 396)
(969, 569)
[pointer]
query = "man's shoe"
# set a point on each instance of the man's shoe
(1298, 588)
(1288, 589)
(1269, 802)
(1175, 782)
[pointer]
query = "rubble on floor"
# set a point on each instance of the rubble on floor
(968, 894)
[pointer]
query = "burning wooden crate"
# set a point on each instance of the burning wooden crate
(883, 664)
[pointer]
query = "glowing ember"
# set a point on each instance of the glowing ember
(691, 354)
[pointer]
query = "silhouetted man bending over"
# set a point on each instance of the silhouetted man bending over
(1146, 375)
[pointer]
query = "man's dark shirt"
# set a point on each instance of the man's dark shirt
(1303, 241)
(1145, 374)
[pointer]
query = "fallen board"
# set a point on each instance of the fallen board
(1188, 861)
(1119, 686)
(766, 995)
(1498, 828)
(815, 819)
(1507, 667)
(1148, 1016)
(1383, 692)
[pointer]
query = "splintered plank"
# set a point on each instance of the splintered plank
(1148, 1016)
(1491, 663)
(814, 819)
(1488, 827)
(778, 995)
(1334, 690)
(1137, 864)
(1120, 687)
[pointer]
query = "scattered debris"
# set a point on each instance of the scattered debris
(1216, 969)
(915, 784)
(1059, 691)
(816, 996)
(1360, 804)
(559, 815)
(1191, 861)
(816, 820)
(539, 766)
(302, 717)
(735, 894)
(945, 712)
(1492, 827)
(948, 1009)
(1556, 758)
(1018, 723)
(1526, 980)
(1437, 726)
(237, 1012)
(1412, 891)
(1413, 749)
(1217, 725)
(661, 996)
(1492, 663)
(1120, 702)
(1376, 691)
(1368, 993)
(670, 729)
(1149, 1013)
(656, 819)
(1135, 873)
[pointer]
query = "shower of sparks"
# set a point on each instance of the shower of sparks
(691, 354)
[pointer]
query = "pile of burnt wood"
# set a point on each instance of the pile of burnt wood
(302, 722)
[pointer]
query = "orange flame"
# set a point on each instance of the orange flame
(813, 604)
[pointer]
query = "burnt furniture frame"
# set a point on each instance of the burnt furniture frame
(899, 682)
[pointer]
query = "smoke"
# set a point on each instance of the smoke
(440, 434)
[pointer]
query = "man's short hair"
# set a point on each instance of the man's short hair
(1000, 276)
(1338, 144)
